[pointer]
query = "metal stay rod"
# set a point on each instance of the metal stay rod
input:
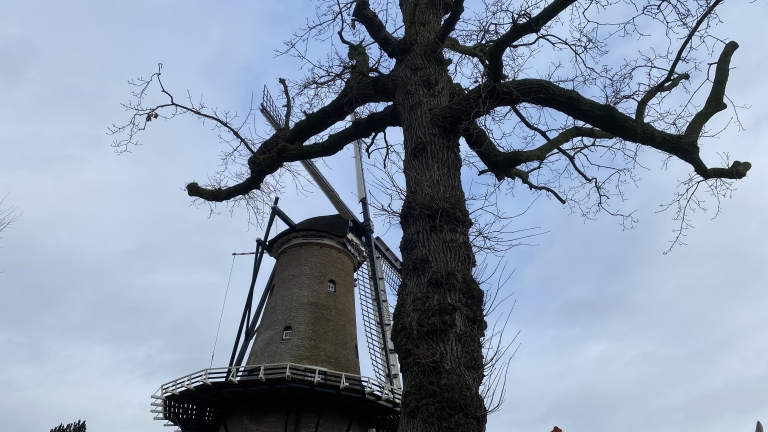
(283, 217)
(250, 331)
(249, 299)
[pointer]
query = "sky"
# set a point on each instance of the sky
(112, 282)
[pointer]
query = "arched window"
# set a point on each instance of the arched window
(287, 333)
(332, 286)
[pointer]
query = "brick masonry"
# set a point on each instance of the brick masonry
(322, 323)
(323, 334)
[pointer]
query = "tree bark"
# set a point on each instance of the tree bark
(439, 319)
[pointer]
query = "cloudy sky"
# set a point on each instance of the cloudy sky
(112, 283)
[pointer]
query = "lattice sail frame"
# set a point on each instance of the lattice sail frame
(389, 281)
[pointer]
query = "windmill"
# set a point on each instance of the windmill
(319, 386)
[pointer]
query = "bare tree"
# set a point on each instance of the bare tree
(533, 93)
(8, 215)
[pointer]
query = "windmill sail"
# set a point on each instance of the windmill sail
(379, 346)
(389, 277)
(273, 114)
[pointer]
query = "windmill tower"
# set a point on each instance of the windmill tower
(303, 370)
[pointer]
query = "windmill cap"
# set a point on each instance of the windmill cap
(331, 225)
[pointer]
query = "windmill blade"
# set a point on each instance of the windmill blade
(386, 316)
(391, 272)
(371, 326)
(377, 285)
(273, 115)
(380, 348)
(389, 266)
(270, 111)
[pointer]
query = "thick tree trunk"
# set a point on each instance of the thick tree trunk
(439, 315)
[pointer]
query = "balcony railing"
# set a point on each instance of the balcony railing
(253, 375)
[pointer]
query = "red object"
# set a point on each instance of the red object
(557, 429)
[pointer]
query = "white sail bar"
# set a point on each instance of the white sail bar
(389, 267)
(383, 317)
(328, 190)
(390, 350)
(387, 253)
(361, 192)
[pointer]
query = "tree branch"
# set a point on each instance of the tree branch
(484, 98)
(143, 115)
(523, 176)
(662, 87)
(376, 29)
(715, 102)
(287, 143)
(505, 164)
(279, 149)
(669, 83)
(519, 31)
(569, 156)
(477, 51)
(457, 8)
(689, 38)
(8, 216)
(358, 91)
(288, 106)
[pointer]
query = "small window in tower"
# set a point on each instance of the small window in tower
(287, 332)
(332, 286)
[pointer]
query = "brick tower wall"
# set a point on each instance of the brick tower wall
(323, 323)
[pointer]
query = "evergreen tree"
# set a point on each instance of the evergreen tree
(78, 426)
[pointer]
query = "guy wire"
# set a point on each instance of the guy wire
(222, 310)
